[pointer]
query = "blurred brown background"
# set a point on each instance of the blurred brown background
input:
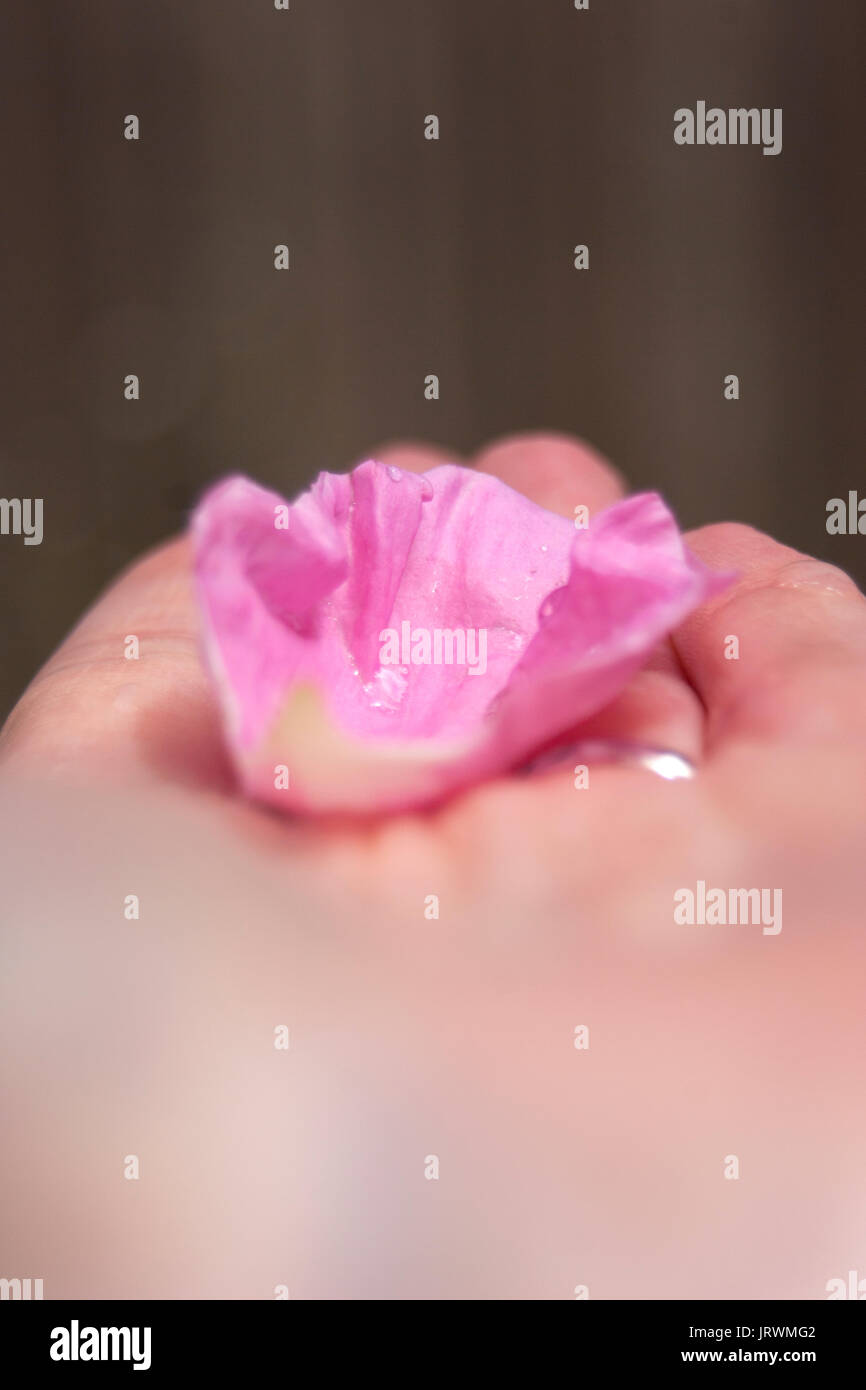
(412, 257)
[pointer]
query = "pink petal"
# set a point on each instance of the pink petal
(294, 621)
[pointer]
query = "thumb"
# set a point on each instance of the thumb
(126, 690)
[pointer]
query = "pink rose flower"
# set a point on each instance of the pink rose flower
(391, 637)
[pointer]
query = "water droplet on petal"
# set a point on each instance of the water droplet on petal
(426, 490)
(394, 473)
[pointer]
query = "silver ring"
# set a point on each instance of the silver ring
(663, 762)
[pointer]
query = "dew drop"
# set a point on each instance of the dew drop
(394, 473)
(426, 490)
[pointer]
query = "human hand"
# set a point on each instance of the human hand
(454, 1036)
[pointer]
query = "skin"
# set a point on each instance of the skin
(559, 1168)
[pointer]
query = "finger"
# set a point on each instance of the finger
(658, 708)
(782, 654)
(127, 686)
(553, 470)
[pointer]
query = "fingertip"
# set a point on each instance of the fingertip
(555, 470)
(412, 455)
(780, 653)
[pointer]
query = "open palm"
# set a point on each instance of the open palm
(512, 1072)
